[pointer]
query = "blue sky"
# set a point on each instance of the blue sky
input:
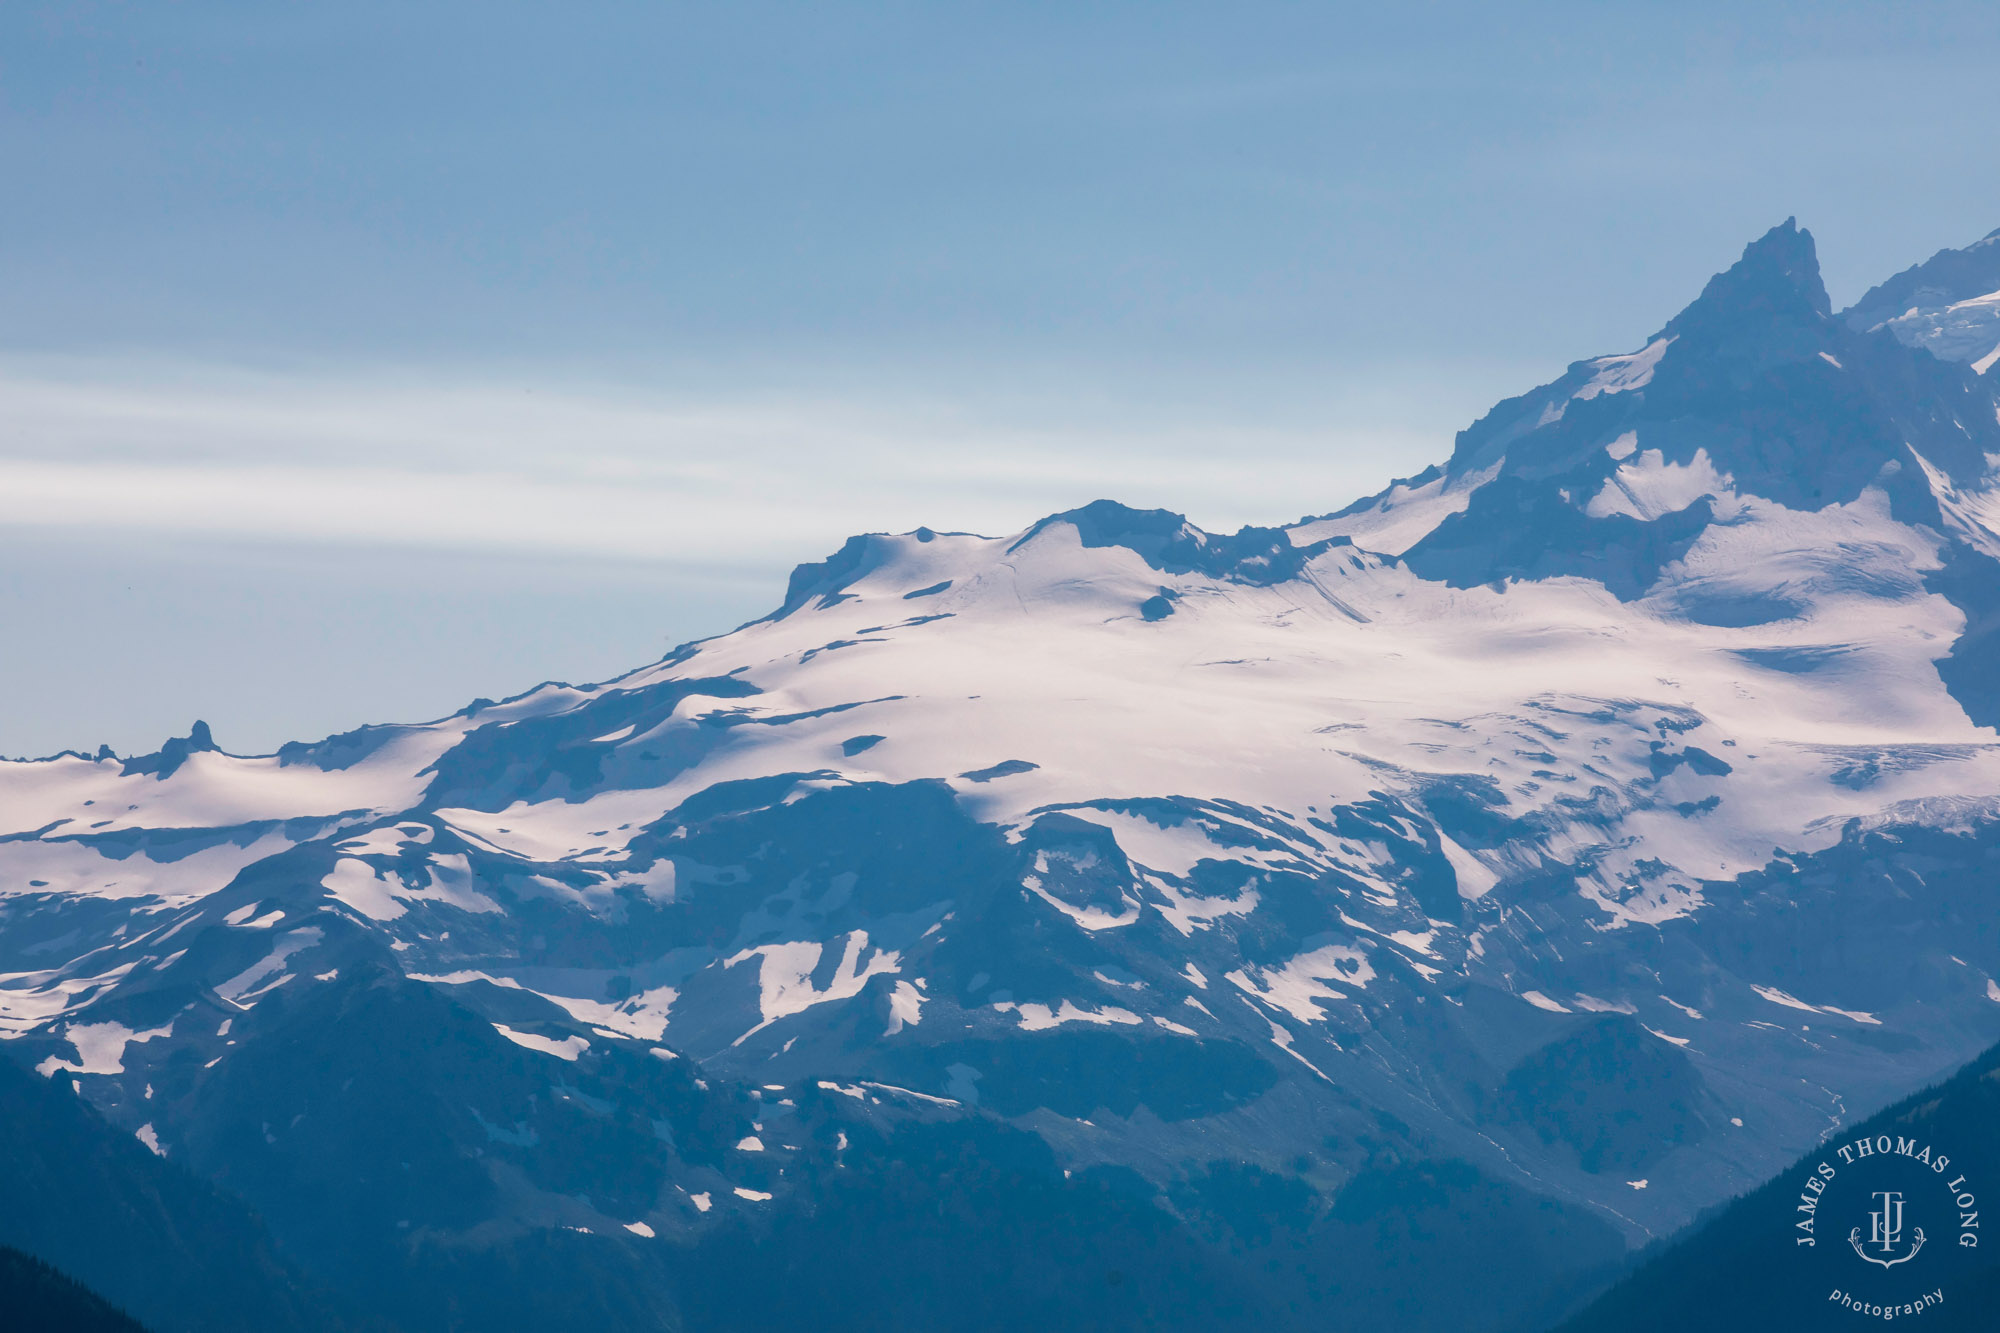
(356, 360)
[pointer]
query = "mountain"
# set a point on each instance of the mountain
(1130, 925)
(1744, 1270)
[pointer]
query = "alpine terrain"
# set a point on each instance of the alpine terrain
(1392, 920)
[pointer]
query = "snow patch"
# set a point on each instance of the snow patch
(1776, 996)
(784, 976)
(1039, 1017)
(1475, 880)
(361, 887)
(386, 841)
(1298, 986)
(1648, 487)
(268, 974)
(906, 1007)
(1618, 374)
(569, 1048)
(100, 1048)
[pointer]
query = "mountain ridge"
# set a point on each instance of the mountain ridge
(1489, 844)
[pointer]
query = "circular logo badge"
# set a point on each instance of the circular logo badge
(1882, 1224)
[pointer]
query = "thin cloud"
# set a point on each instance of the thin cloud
(594, 471)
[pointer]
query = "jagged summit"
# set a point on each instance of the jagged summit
(174, 753)
(1752, 403)
(1777, 278)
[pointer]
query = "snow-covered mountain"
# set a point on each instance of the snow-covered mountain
(1949, 305)
(1557, 842)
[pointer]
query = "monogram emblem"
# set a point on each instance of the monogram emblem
(1885, 1232)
